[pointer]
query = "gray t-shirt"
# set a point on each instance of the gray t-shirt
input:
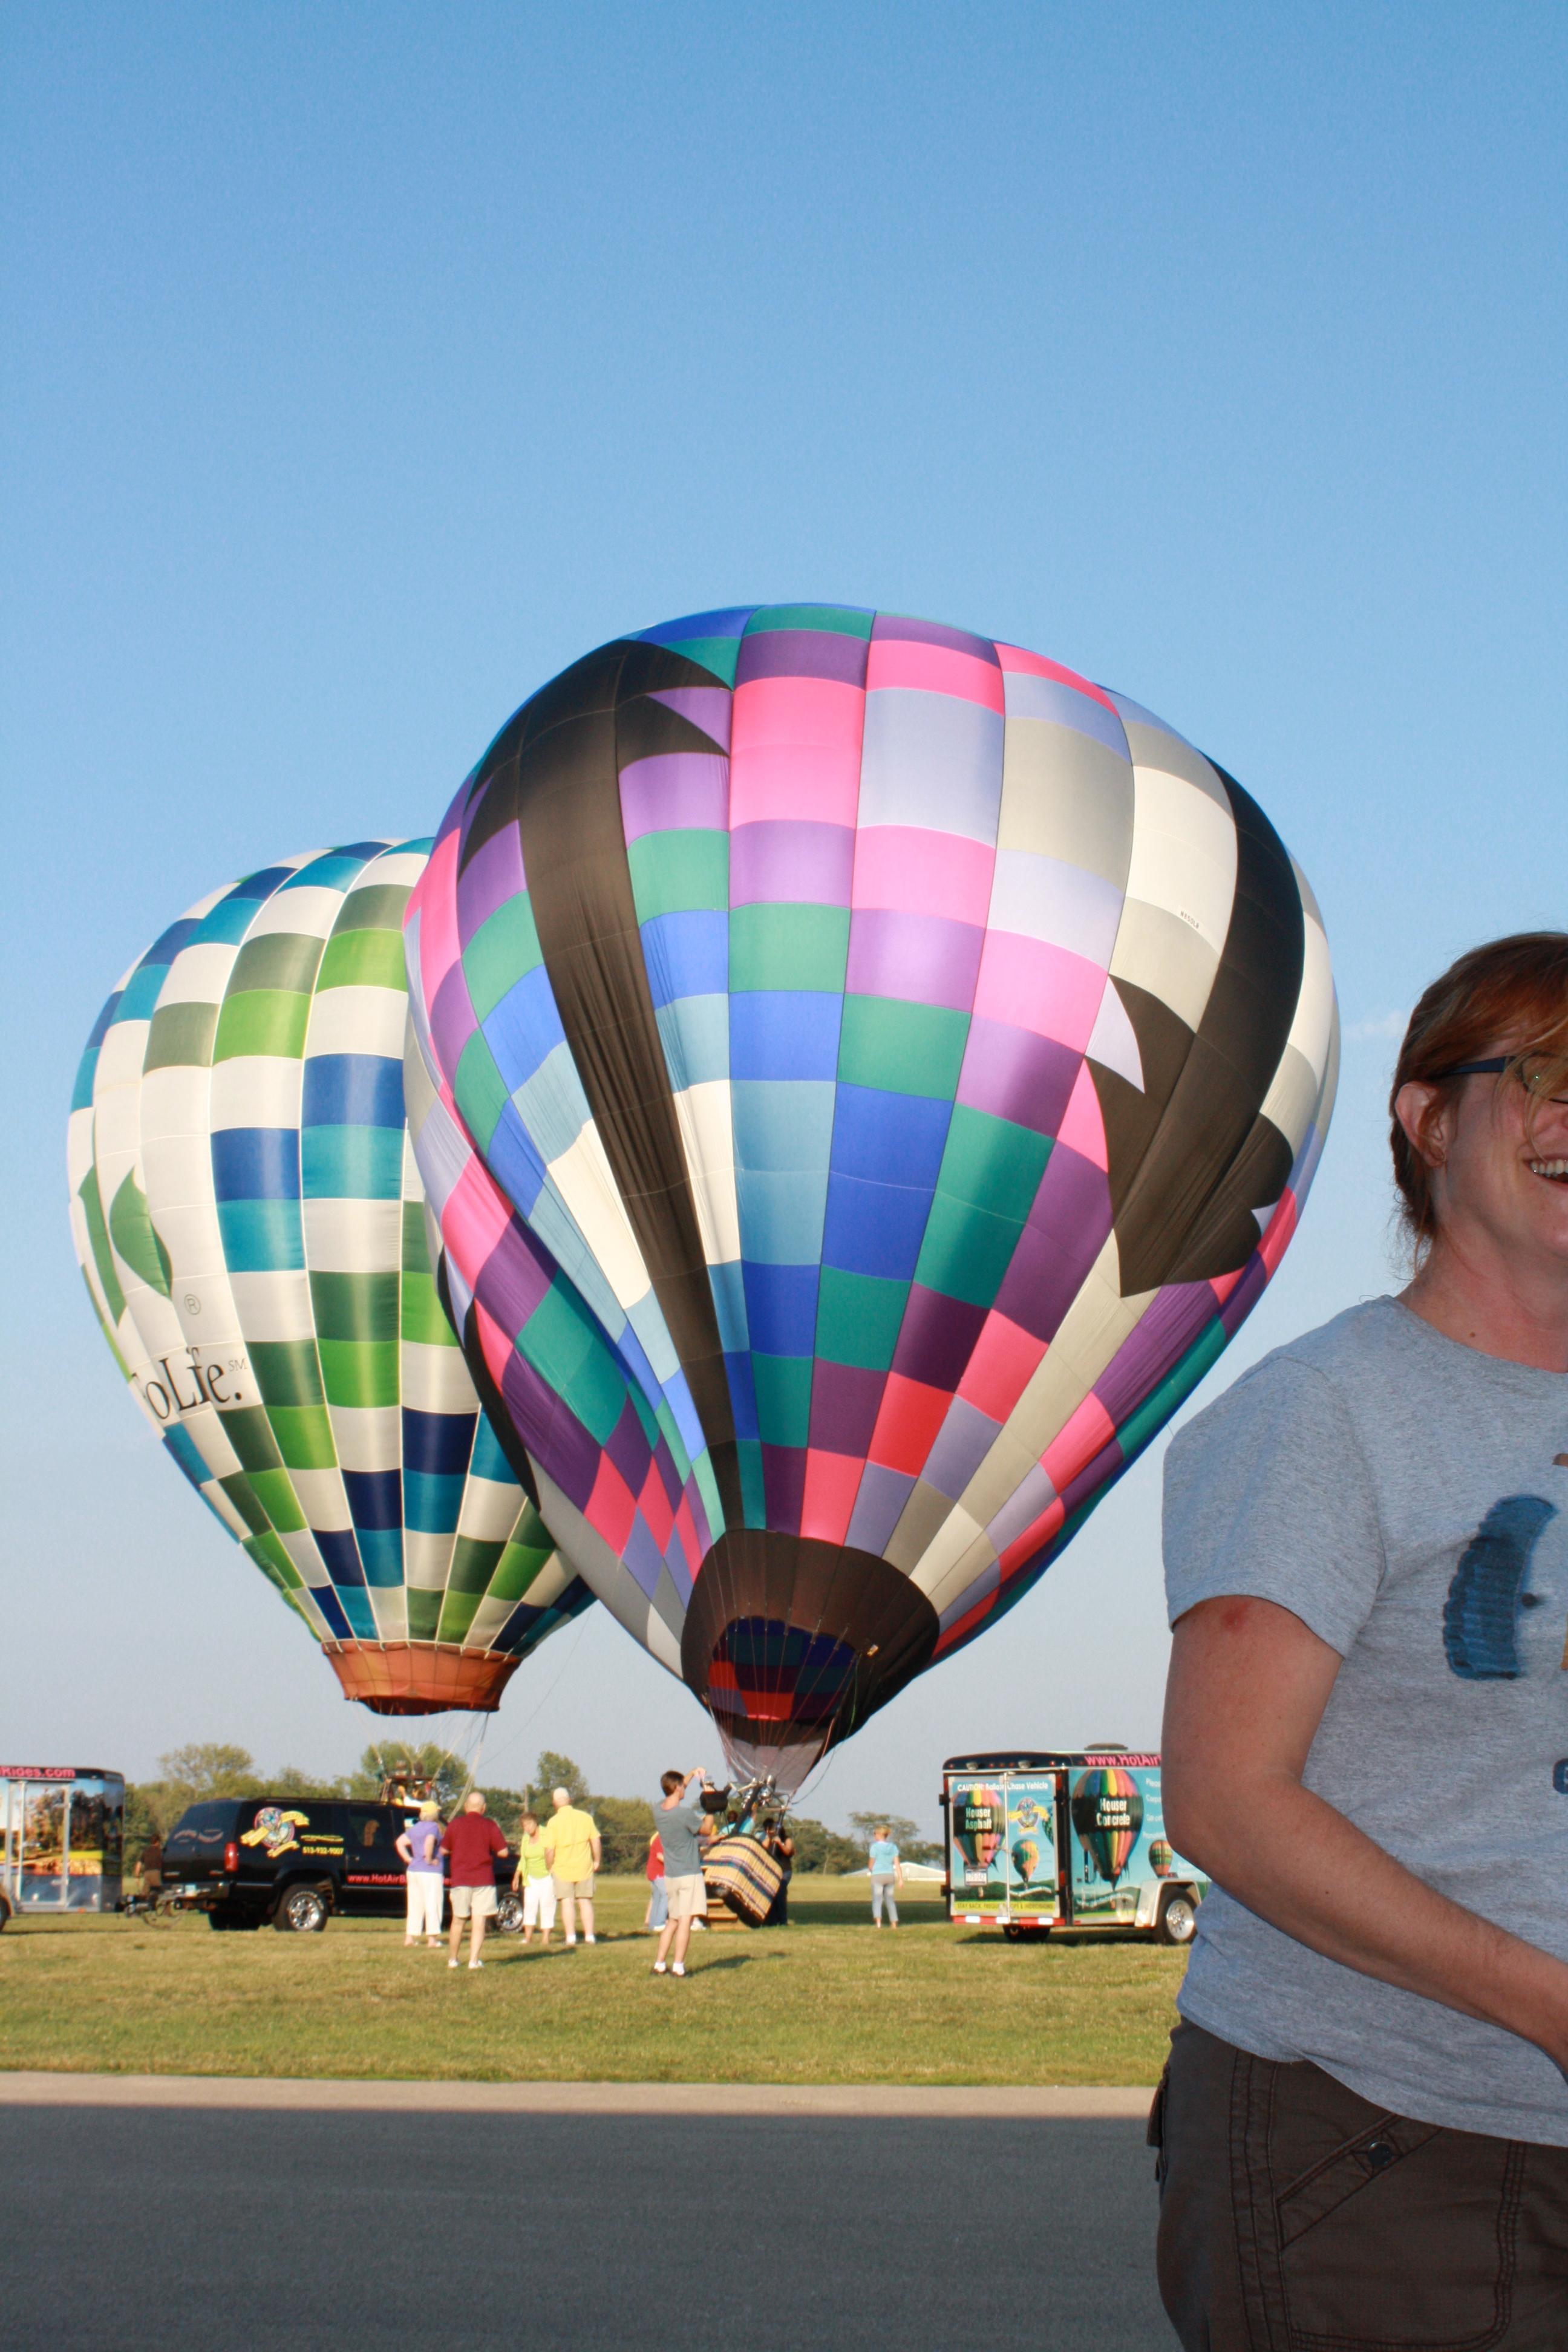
(677, 1826)
(1407, 1499)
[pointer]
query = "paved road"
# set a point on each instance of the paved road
(364, 2233)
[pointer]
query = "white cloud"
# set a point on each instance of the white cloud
(1376, 1024)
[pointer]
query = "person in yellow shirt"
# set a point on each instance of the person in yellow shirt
(532, 1878)
(573, 1850)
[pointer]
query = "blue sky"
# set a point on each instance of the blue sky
(362, 366)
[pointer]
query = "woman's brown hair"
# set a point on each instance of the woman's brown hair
(1510, 994)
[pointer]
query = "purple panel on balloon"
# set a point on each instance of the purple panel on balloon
(627, 1448)
(784, 1484)
(801, 652)
(452, 1018)
(963, 1441)
(512, 1282)
(922, 959)
(1021, 1509)
(844, 1402)
(778, 861)
(1165, 1332)
(937, 1337)
(550, 1431)
(1015, 1074)
(905, 631)
(707, 707)
(878, 1506)
(492, 875)
(642, 1556)
(676, 789)
(1066, 1232)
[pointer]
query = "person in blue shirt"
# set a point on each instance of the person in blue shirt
(887, 1874)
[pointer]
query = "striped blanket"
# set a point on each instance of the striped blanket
(743, 1873)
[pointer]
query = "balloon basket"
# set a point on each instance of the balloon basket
(420, 1677)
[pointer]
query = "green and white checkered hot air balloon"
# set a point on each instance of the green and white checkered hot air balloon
(251, 1226)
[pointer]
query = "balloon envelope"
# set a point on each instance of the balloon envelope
(249, 1218)
(871, 1073)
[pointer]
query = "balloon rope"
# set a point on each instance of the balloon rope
(517, 1731)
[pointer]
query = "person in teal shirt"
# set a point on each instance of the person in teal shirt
(886, 1875)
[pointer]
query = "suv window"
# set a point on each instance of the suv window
(199, 1831)
(373, 1831)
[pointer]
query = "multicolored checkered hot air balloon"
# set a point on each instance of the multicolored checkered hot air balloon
(1107, 1813)
(249, 1219)
(870, 1072)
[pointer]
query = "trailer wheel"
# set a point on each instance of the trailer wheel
(1178, 1920)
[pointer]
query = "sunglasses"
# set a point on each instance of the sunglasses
(1540, 1074)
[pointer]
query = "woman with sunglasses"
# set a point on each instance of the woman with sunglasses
(1363, 2123)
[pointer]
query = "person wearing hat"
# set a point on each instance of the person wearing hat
(420, 1846)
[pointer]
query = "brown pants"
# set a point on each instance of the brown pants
(1296, 2216)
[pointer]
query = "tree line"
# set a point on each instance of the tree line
(192, 1775)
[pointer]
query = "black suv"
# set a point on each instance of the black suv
(293, 1860)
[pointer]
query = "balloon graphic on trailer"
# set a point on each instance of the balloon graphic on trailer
(1026, 1855)
(869, 1074)
(981, 1822)
(1107, 1807)
(1162, 1857)
(249, 1222)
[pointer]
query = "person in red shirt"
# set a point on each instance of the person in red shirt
(472, 1841)
(658, 1899)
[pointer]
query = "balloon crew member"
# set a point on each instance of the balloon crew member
(681, 1819)
(573, 1849)
(533, 1876)
(420, 1847)
(1363, 2120)
(886, 1877)
(472, 1841)
(781, 1846)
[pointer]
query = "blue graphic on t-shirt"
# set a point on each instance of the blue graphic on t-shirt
(1481, 1614)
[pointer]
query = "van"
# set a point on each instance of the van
(291, 1860)
(1065, 1839)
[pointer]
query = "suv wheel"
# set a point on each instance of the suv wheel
(1178, 1922)
(302, 1912)
(509, 1914)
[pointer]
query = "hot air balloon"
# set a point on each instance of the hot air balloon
(1107, 1813)
(1162, 1859)
(1027, 1856)
(979, 1821)
(871, 1071)
(249, 1218)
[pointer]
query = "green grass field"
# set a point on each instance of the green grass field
(830, 2001)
